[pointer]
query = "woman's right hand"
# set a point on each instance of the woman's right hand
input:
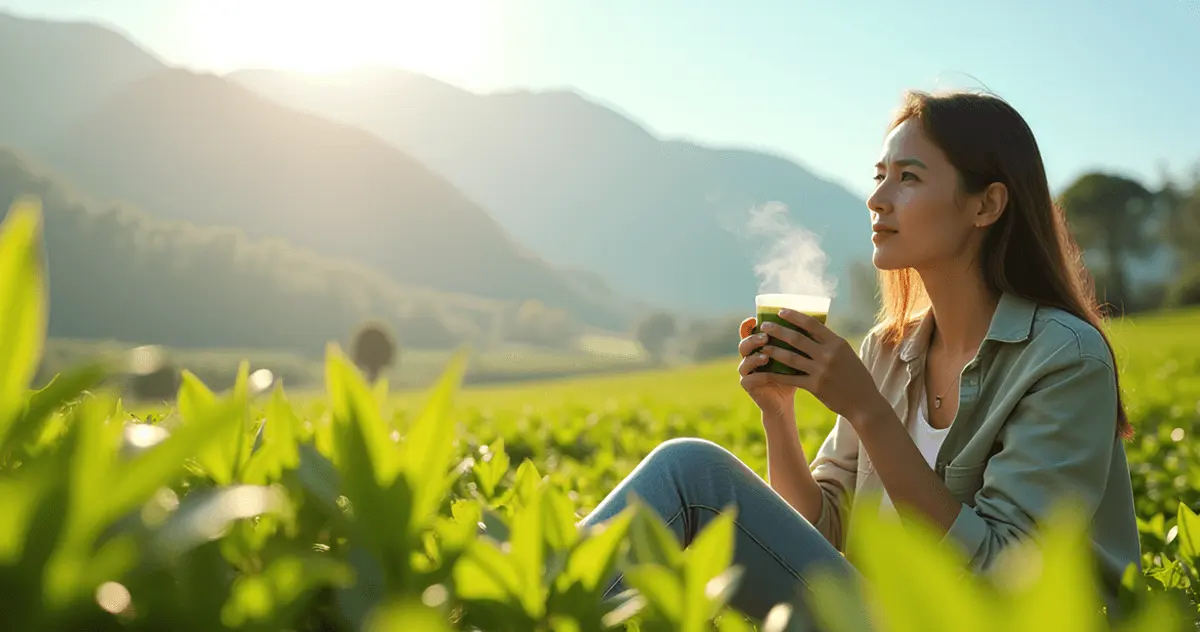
(770, 395)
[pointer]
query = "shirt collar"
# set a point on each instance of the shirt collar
(1011, 322)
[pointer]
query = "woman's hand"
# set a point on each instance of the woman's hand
(835, 374)
(772, 397)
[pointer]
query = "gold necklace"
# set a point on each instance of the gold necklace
(937, 399)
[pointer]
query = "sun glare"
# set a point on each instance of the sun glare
(447, 38)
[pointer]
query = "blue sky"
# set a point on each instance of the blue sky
(1109, 85)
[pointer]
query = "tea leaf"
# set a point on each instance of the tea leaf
(594, 560)
(651, 541)
(709, 555)
(529, 555)
(661, 588)
(22, 306)
(206, 515)
(429, 446)
(1189, 534)
(44, 402)
(917, 583)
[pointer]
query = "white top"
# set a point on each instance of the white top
(929, 441)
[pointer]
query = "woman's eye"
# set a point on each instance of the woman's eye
(878, 178)
(908, 173)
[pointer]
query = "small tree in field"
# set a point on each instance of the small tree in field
(153, 376)
(373, 350)
(655, 331)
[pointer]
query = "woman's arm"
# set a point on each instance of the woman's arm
(902, 469)
(787, 467)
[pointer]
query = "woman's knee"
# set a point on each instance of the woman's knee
(692, 452)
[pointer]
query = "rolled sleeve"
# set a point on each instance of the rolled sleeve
(1057, 445)
(835, 469)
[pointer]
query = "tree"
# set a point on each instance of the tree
(373, 349)
(153, 376)
(654, 332)
(1182, 228)
(1110, 214)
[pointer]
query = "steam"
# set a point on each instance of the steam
(792, 262)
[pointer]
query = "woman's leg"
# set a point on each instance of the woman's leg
(688, 481)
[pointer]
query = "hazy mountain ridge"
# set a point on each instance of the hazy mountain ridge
(598, 206)
(196, 147)
(53, 73)
(584, 185)
(118, 273)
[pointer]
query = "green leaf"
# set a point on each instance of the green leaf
(595, 559)
(43, 403)
(21, 494)
(218, 456)
(651, 541)
(280, 447)
(281, 587)
(204, 516)
(490, 470)
(1056, 586)
(22, 306)
(527, 482)
(918, 584)
(528, 554)
(429, 446)
(486, 574)
(138, 479)
(354, 405)
(708, 556)
(558, 520)
(661, 588)
(406, 615)
(1189, 534)
(733, 622)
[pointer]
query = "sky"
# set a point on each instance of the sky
(1104, 85)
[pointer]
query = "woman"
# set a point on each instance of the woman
(986, 392)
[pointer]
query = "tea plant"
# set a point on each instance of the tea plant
(358, 510)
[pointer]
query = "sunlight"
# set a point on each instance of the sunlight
(446, 38)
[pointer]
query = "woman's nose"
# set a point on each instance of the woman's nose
(878, 202)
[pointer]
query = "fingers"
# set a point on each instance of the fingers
(747, 327)
(756, 380)
(814, 327)
(749, 344)
(790, 358)
(792, 337)
(751, 362)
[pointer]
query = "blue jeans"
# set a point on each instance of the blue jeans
(688, 481)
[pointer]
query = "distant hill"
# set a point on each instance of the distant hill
(584, 185)
(196, 147)
(117, 273)
(53, 73)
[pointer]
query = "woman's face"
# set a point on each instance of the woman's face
(918, 217)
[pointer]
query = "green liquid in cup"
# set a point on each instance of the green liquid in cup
(771, 314)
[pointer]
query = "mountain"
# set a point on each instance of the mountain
(53, 73)
(116, 272)
(198, 148)
(583, 185)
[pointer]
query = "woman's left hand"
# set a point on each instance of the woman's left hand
(835, 374)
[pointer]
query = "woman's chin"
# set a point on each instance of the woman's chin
(882, 261)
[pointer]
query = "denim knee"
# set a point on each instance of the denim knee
(692, 453)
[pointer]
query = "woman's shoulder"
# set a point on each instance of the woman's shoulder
(1055, 331)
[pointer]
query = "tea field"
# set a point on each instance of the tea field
(357, 508)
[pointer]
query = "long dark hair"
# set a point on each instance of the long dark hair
(1030, 251)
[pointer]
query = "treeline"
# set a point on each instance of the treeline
(1121, 224)
(115, 273)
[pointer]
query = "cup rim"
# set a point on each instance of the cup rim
(797, 302)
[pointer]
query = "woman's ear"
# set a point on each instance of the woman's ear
(993, 203)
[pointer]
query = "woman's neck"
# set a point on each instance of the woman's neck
(962, 305)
